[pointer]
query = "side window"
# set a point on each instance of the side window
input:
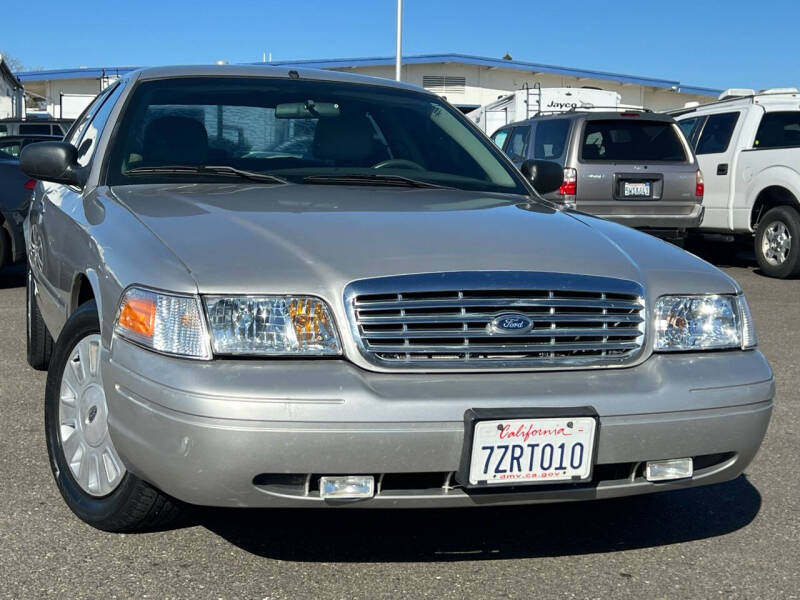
(689, 127)
(34, 129)
(10, 149)
(779, 130)
(88, 141)
(551, 139)
(518, 142)
(499, 137)
(75, 132)
(717, 133)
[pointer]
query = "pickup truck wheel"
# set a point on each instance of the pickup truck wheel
(39, 341)
(88, 471)
(777, 242)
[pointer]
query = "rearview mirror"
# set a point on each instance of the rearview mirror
(306, 110)
(52, 161)
(545, 176)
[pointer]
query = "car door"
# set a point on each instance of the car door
(715, 150)
(55, 215)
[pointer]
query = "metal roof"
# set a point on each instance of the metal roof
(79, 73)
(344, 63)
(499, 63)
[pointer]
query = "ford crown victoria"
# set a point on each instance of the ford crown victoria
(271, 287)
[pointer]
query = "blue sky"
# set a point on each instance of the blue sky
(715, 43)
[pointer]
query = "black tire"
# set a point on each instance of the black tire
(39, 340)
(5, 247)
(133, 505)
(790, 218)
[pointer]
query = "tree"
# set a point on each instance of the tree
(13, 63)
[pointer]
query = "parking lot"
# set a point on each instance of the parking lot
(736, 540)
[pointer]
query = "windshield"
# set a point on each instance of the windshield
(308, 132)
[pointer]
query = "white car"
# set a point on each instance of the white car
(748, 148)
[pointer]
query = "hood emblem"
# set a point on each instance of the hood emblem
(510, 324)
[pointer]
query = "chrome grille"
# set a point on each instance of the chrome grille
(444, 320)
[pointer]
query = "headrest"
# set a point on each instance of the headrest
(344, 138)
(175, 141)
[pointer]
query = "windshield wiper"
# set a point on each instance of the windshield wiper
(220, 170)
(361, 179)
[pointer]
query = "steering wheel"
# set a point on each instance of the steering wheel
(400, 163)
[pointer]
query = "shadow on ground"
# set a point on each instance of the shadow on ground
(725, 254)
(12, 277)
(487, 533)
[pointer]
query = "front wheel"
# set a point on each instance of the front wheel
(777, 242)
(88, 471)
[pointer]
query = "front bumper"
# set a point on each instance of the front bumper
(257, 433)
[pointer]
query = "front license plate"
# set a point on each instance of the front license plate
(538, 450)
(636, 189)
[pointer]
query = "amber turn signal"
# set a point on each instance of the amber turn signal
(138, 315)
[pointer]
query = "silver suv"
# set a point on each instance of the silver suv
(632, 167)
(386, 316)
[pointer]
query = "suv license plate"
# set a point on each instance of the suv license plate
(517, 451)
(636, 189)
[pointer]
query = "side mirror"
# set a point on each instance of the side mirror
(52, 161)
(545, 176)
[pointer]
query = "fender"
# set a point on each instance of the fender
(756, 181)
(94, 283)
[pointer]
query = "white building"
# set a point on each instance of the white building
(466, 81)
(64, 93)
(12, 105)
(472, 81)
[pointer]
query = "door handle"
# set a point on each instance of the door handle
(722, 169)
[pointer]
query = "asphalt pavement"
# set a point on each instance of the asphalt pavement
(739, 539)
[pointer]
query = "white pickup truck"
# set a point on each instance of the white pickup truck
(748, 148)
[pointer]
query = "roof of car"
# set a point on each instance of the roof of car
(268, 71)
(598, 116)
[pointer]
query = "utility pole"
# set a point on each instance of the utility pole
(398, 64)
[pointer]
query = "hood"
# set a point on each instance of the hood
(252, 238)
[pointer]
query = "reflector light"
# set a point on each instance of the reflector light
(30, 184)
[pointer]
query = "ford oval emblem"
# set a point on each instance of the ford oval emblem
(511, 324)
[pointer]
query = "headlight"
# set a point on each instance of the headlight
(163, 322)
(703, 323)
(271, 325)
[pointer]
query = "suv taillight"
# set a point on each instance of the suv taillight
(699, 186)
(30, 184)
(569, 187)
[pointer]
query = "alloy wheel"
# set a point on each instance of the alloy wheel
(83, 422)
(776, 243)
